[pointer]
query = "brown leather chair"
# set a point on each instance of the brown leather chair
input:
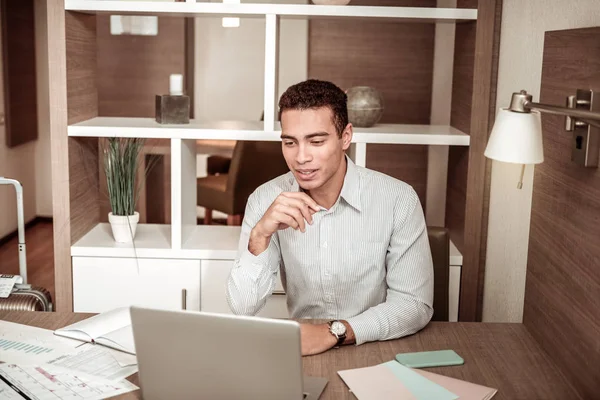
(252, 164)
(439, 241)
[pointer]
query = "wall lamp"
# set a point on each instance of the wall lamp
(517, 133)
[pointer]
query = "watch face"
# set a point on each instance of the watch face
(338, 328)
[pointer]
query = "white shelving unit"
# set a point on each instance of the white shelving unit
(253, 130)
(152, 241)
(205, 8)
(183, 240)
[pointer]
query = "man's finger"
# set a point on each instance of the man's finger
(288, 220)
(305, 198)
(295, 213)
(300, 205)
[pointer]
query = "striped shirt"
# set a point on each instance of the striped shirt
(365, 260)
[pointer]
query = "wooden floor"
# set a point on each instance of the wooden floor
(40, 256)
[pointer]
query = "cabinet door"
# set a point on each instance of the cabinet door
(214, 279)
(101, 284)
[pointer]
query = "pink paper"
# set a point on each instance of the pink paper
(375, 383)
(464, 390)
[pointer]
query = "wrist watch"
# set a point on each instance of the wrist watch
(338, 329)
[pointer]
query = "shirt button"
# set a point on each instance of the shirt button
(324, 245)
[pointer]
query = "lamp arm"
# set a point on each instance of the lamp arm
(589, 117)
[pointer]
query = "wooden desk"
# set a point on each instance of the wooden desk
(503, 356)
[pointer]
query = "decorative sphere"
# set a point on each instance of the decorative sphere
(331, 2)
(365, 106)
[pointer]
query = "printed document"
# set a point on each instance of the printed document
(46, 382)
(23, 344)
(98, 362)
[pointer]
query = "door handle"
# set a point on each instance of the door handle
(184, 299)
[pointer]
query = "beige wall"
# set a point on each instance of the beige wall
(229, 74)
(520, 67)
(16, 163)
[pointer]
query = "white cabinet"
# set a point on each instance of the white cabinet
(103, 283)
(214, 279)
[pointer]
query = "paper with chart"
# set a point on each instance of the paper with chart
(99, 362)
(53, 383)
(7, 393)
(23, 344)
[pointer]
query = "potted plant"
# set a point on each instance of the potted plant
(121, 162)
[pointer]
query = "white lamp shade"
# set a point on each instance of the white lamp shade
(516, 138)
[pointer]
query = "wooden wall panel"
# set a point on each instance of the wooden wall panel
(82, 100)
(460, 118)
(82, 92)
(20, 90)
(456, 194)
(57, 89)
(483, 102)
(562, 295)
(397, 59)
(72, 91)
(132, 69)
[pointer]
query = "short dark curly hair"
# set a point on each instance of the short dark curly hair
(312, 94)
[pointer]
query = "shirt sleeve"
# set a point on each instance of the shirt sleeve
(252, 278)
(409, 302)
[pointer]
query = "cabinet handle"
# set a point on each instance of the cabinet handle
(278, 293)
(184, 299)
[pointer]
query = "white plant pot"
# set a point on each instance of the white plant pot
(123, 226)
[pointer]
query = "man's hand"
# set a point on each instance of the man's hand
(290, 209)
(316, 339)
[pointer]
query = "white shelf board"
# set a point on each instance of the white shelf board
(151, 241)
(411, 134)
(149, 128)
(213, 242)
(253, 130)
(218, 9)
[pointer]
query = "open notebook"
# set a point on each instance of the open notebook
(111, 329)
(392, 380)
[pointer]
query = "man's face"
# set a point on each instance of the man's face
(311, 146)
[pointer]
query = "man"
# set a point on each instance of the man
(350, 243)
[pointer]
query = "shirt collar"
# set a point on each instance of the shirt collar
(350, 188)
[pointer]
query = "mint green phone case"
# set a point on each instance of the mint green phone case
(422, 359)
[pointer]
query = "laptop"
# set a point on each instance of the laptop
(192, 355)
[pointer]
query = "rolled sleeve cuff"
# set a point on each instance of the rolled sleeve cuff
(257, 263)
(365, 327)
